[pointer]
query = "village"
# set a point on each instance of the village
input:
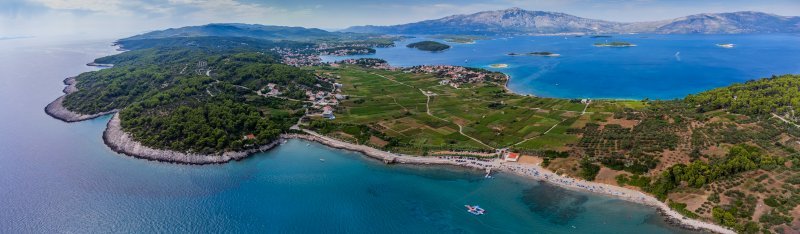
(455, 76)
(310, 56)
(324, 104)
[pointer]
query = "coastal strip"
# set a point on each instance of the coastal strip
(121, 142)
(525, 170)
(57, 110)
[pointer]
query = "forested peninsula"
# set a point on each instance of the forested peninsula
(728, 155)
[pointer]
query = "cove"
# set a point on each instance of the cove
(59, 177)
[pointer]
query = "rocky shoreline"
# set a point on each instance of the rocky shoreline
(57, 110)
(121, 142)
(674, 221)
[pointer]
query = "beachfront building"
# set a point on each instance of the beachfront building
(511, 157)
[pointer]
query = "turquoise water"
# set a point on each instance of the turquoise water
(650, 70)
(59, 177)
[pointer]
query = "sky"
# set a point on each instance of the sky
(120, 18)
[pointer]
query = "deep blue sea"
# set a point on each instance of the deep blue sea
(659, 67)
(57, 177)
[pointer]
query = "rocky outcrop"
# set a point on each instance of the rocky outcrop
(57, 110)
(122, 142)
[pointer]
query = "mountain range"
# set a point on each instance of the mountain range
(515, 21)
(267, 32)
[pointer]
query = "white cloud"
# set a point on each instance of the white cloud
(90, 5)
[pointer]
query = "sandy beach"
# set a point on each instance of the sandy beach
(526, 170)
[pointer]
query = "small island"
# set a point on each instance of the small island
(614, 44)
(538, 53)
(499, 65)
(431, 46)
(463, 39)
(544, 53)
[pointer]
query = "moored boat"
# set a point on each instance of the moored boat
(476, 210)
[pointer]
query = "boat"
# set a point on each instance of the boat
(476, 210)
(727, 46)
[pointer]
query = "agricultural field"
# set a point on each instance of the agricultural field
(737, 169)
(425, 115)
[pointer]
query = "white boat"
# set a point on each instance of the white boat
(476, 210)
(727, 46)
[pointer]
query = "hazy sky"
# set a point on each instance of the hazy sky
(117, 18)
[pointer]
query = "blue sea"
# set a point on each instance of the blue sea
(57, 177)
(659, 67)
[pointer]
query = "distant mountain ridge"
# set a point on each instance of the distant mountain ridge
(267, 32)
(723, 23)
(518, 21)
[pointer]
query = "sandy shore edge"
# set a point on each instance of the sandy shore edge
(121, 142)
(57, 110)
(525, 170)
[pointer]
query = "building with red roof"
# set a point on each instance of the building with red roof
(250, 137)
(512, 157)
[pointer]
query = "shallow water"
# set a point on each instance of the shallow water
(59, 177)
(659, 67)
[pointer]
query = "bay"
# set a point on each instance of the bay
(658, 67)
(59, 177)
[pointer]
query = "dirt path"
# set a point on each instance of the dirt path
(460, 128)
(586, 107)
(461, 131)
(545, 133)
(396, 81)
(785, 120)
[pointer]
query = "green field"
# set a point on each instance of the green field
(393, 103)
